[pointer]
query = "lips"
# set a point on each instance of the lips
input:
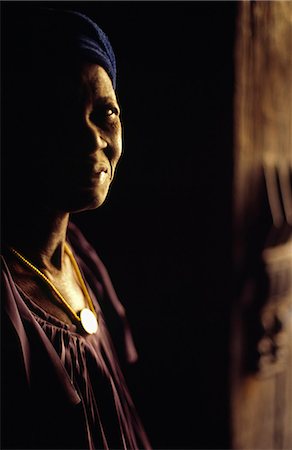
(90, 172)
(101, 176)
(99, 167)
(101, 171)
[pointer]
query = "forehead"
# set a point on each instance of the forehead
(96, 82)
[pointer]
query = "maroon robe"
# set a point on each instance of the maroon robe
(61, 389)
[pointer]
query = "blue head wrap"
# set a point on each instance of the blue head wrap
(50, 35)
(93, 44)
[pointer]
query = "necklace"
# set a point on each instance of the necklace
(86, 317)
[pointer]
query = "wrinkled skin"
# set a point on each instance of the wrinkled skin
(68, 132)
(64, 143)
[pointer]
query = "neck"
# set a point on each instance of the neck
(39, 236)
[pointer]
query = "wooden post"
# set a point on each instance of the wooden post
(261, 341)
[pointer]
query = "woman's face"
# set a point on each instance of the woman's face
(74, 143)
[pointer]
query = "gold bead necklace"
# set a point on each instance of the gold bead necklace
(86, 317)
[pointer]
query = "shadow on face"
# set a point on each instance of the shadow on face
(62, 135)
(61, 120)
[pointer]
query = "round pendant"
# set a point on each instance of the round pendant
(88, 321)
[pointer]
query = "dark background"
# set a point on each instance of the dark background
(164, 233)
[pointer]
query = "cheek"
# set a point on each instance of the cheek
(118, 145)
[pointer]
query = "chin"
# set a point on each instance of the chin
(86, 204)
(82, 201)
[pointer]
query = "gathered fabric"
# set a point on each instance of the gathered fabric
(62, 389)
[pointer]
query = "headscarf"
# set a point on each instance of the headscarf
(50, 35)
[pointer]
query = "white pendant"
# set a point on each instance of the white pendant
(88, 321)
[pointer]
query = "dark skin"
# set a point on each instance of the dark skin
(73, 171)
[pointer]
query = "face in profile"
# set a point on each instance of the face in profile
(69, 140)
(88, 138)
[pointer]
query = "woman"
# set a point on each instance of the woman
(62, 386)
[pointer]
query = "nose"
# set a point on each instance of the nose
(93, 137)
(100, 142)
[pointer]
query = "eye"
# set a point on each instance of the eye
(104, 113)
(111, 111)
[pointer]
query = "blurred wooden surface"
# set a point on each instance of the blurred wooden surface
(261, 341)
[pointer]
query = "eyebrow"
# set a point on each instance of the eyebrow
(105, 99)
(95, 92)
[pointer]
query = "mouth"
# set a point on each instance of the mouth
(91, 173)
(101, 176)
(101, 173)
